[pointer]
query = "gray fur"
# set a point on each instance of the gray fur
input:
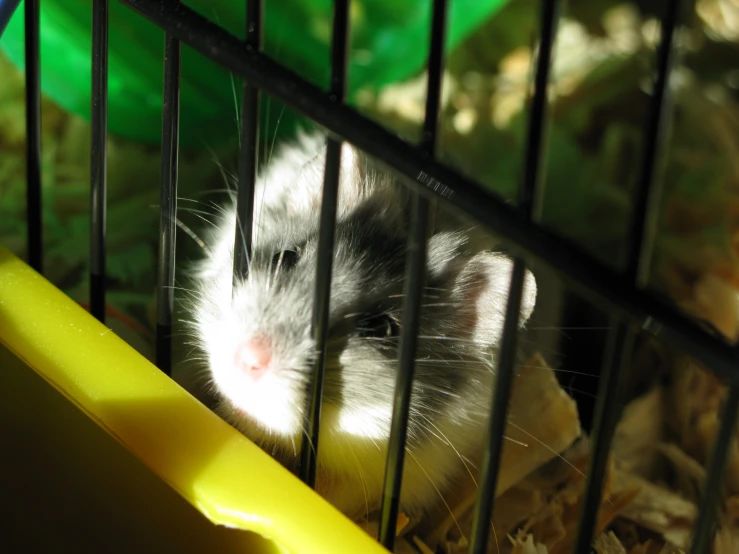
(463, 308)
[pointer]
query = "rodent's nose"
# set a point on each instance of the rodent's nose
(253, 357)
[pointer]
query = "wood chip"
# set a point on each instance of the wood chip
(403, 546)
(638, 432)
(372, 525)
(608, 543)
(541, 481)
(659, 510)
(696, 400)
(727, 536)
(732, 512)
(422, 546)
(527, 545)
(689, 474)
(612, 506)
(726, 541)
(715, 300)
(652, 547)
(542, 423)
(402, 524)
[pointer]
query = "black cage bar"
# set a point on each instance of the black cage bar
(33, 136)
(615, 361)
(643, 220)
(249, 149)
(435, 179)
(414, 287)
(168, 200)
(530, 194)
(632, 306)
(501, 395)
(98, 157)
(325, 255)
(640, 237)
(715, 472)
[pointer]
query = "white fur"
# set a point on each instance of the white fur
(353, 446)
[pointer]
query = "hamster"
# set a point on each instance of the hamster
(258, 349)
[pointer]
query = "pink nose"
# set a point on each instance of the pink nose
(253, 357)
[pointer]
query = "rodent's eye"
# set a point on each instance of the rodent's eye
(285, 259)
(381, 326)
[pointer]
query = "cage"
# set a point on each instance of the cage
(80, 405)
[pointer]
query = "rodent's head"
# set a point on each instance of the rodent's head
(258, 343)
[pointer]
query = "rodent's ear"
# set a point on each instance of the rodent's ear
(482, 290)
(444, 254)
(353, 186)
(357, 182)
(293, 181)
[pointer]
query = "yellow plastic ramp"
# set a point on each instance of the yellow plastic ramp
(74, 489)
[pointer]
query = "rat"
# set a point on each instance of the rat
(257, 347)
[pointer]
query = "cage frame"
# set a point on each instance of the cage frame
(633, 307)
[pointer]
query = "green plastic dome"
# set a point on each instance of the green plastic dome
(388, 45)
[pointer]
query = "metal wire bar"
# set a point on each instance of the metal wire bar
(621, 338)
(594, 280)
(415, 274)
(716, 473)
(641, 236)
(414, 284)
(617, 357)
(98, 157)
(325, 255)
(532, 190)
(312, 418)
(168, 202)
(643, 220)
(529, 199)
(435, 70)
(432, 178)
(249, 149)
(496, 429)
(33, 136)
